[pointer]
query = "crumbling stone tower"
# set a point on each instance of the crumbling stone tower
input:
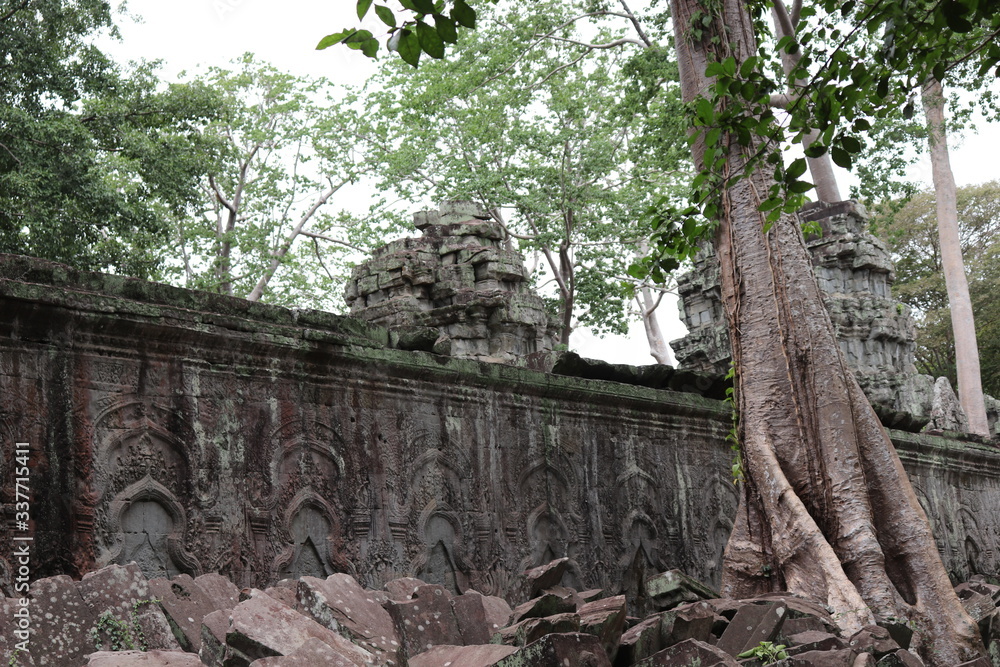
(457, 290)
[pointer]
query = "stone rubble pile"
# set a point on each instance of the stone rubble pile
(457, 291)
(187, 622)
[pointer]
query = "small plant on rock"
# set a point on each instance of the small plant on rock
(767, 652)
(117, 634)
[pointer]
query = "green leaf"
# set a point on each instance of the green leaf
(815, 150)
(463, 14)
(748, 66)
(800, 187)
(430, 40)
(841, 158)
(335, 38)
(386, 15)
(424, 6)
(370, 47)
(409, 47)
(795, 169)
(954, 16)
(446, 29)
(851, 144)
(363, 6)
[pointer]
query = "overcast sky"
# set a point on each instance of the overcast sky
(188, 34)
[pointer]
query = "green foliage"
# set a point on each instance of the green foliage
(767, 652)
(910, 230)
(114, 634)
(563, 154)
(89, 153)
(285, 147)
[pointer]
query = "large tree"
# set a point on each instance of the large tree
(92, 157)
(827, 511)
(564, 154)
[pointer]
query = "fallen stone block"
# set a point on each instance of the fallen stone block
(9, 625)
(497, 612)
(263, 627)
(900, 658)
(640, 641)
(548, 604)
(312, 653)
(840, 658)
(604, 619)
(485, 655)
(544, 576)
(122, 592)
(402, 589)
(425, 621)
(690, 652)
(470, 614)
(804, 642)
(559, 650)
(978, 662)
(60, 625)
(223, 592)
(753, 624)
(875, 640)
(341, 604)
(214, 628)
(184, 604)
(690, 621)
(532, 629)
(154, 658)
(285, 591)
(669, 589)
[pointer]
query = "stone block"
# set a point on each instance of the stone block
(640, 641)
(873, 639)
(262, 627)
(671, 588)
(690, 621)
(753, 624)
(124, 592)
(60, 621)
(426, 620)
(341, 604)
(560, 650)
(470, 613)
(811, 640)
(900, 658)
(484, 655)
(223, 592)
(154, 658)
(547, 604)
(184, 604)
(690, 652)
(497, 612)
(545, 576)
(532, 629)
(312, 653)
(839, 658)
(604, 619)
(214, 629)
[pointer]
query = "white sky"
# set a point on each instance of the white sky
(188, 34)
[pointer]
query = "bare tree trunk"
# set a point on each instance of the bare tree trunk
(817, 461)
(970, 387)
(658, 347)
(821, 168)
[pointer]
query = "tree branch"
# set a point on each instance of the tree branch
(13, 11)
(635, 23)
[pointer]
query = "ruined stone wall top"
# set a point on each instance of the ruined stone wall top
(459, 290)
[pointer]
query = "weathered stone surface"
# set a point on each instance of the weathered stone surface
(220, 589)
(547, 604)
(496, 610)
(425, 621)
(124, 592)
(545, 576)
(462, 656)
(459, 281)
(671, 588)
(640, 641)
(403, 589)
(262, 627)
(804, 642)
(60, 621)
(214, 629)
(946, 411)
(184, 604)
(875, 640)
(154, 658)
(532, 629)
(690, 652)
(470, 613)
(690, 621)
(753, 624)
(312, 653)
(560, 650)
(900, 658)
(341, 604)
(604, 619)
(836, 658)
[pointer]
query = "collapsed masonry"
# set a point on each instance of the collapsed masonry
(877, 333)
(457, 291)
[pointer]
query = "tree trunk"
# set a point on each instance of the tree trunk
(970, 387)
(816, 459)
(658, 348)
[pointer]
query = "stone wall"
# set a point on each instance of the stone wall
(196, 433)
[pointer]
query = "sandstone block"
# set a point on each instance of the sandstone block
(560, 650)
(312, 653)
(545, 576)
(604, 619)
(155, 658)
(124, 592)
(184, 604)
(532, 629)
(462, 656)
(752, 624)
(426, 620)
(688, 652)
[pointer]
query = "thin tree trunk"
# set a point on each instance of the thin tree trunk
(970, 387)
(816, 460)
(658, 347)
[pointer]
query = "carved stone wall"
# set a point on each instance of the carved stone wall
(458, 284)
(196, 433)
